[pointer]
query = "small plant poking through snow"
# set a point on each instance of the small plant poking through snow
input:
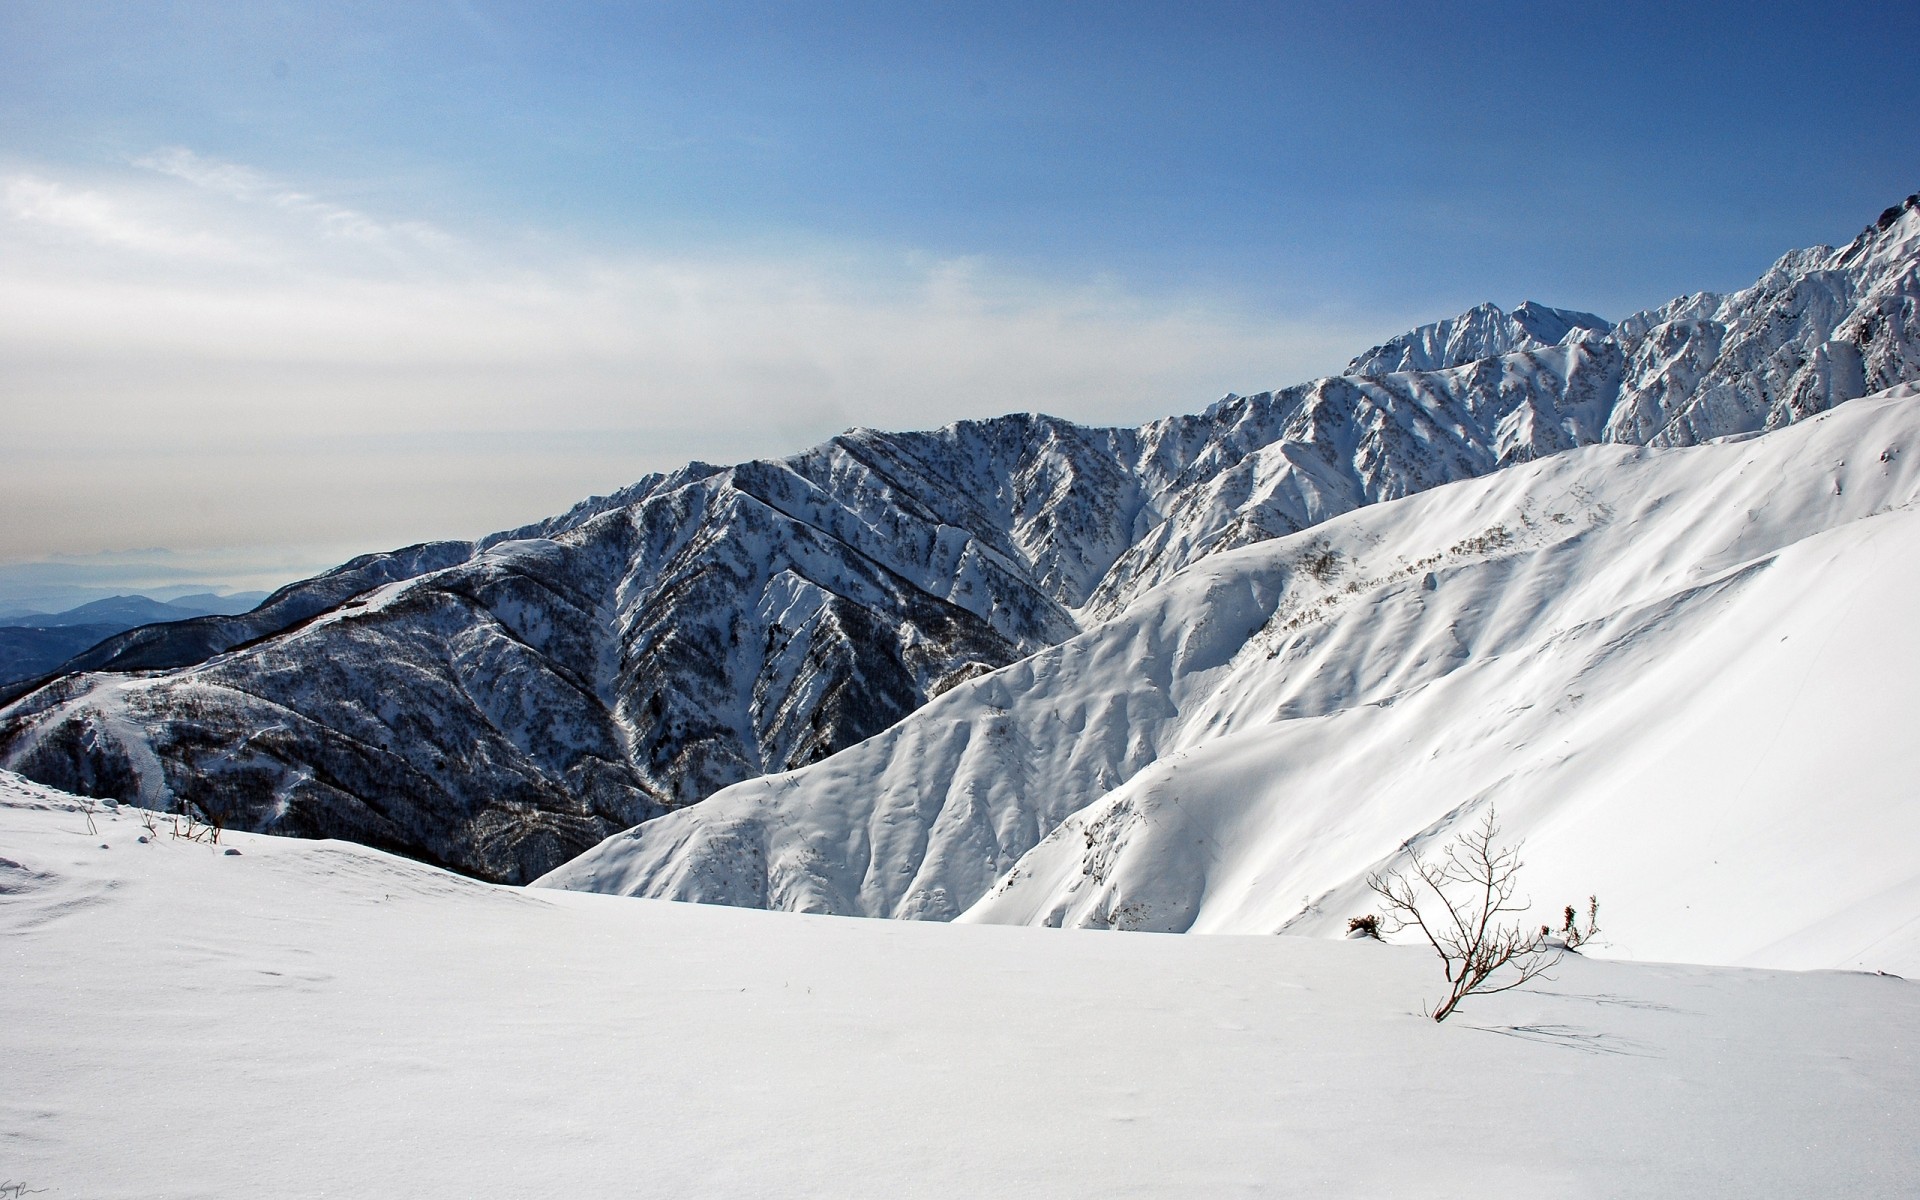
(186, 828)
(1460, 903)
(1570, 934)
(1367, 926)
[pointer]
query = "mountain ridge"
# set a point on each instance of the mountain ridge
(501, 705)
(1238, 750)
(32, 644)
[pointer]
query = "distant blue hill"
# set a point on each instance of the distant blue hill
(129, 611)
(34, 644)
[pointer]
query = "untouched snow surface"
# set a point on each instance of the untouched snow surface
(320, 1019)
(1685, 676)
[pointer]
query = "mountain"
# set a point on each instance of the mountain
(203, 603)
(32, 645)
(1482, 332)
(128, 611)
(502, 706)
(196, 639)
(1683, 675)
(31, 653)
(125, 611)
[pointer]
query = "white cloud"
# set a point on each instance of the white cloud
(228, 179)
(247, 185)
(101, 219)
(229, 360)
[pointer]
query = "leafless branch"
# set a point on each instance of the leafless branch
(1458, 902)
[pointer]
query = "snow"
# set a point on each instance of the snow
(320, 1019)
(1711, 736)
(1273, 649)
(503, 706)
(1683, 676)
(1481, 332)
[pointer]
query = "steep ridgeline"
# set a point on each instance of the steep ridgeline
(1821, 327)
(503, 712)
(923, 820)
(510, 703)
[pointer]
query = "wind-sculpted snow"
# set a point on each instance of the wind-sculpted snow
(502, 705)
(1693, 707)
(1683, 673)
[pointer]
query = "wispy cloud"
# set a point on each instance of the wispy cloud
(228, 179)
(103, 219)
(245, 184)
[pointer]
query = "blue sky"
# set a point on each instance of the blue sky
(281, 277)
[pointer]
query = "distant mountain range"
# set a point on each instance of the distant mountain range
(501, 706)
(128, 611)
(33, 645)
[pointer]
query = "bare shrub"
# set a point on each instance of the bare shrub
(1462, 903)
(1322, 562)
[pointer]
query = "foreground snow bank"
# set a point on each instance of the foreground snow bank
(316, 1018)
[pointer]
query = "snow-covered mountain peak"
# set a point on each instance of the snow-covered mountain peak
(1892, 239)
(1484, 331)
(1551, 326)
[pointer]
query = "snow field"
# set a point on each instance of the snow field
(319, 1019)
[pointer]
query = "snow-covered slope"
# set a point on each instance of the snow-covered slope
(1697, 707)
(501, 706)
(1682, 674)
(311, 1019)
